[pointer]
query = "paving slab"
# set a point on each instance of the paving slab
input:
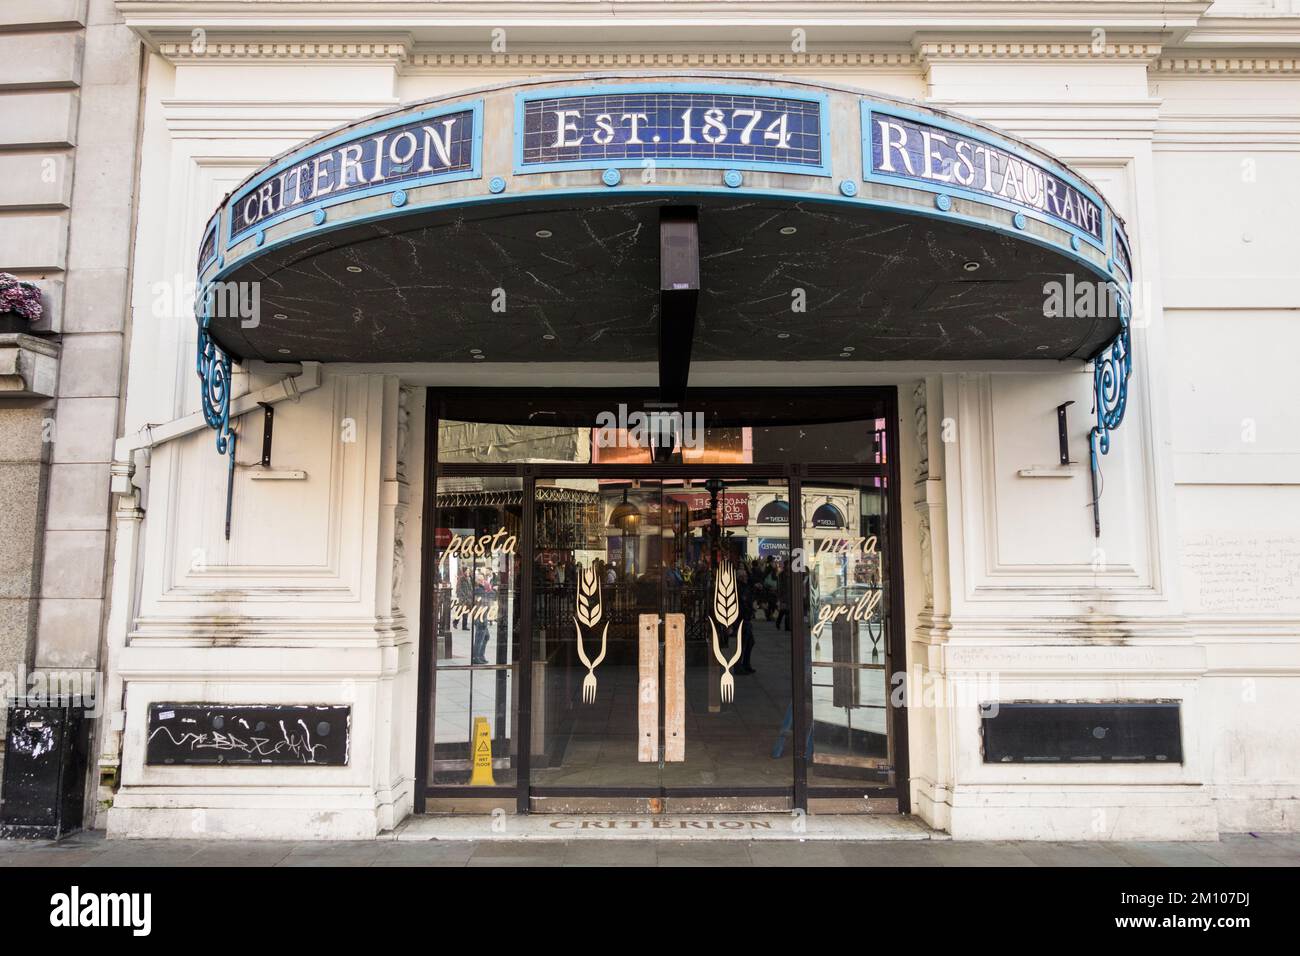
(1249, 849)
(1072, 854)
(607, 853)
(426, 854)
(958, 853)
(702, 853)
(785, 853)
(517, 854)
(1165, 854)
(890, 854)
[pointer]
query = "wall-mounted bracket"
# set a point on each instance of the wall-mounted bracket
(268, 428)
(1063, 431)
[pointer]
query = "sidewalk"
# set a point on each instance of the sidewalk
(91, 849)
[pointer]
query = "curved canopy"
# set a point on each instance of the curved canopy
(523, 221)
(617, 218)
(828, 516)
(774, 512)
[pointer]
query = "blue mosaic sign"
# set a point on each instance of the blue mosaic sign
(721, 128)
(425, 148)
(942, 157)
(208, 247)
(1121, 255)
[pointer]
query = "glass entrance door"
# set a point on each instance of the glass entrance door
(661, 638)
(572, 589)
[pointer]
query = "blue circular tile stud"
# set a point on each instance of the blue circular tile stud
(260, 237)
(496, 185)
(733, 178)
(848, 187)
(399, 198)
(1074, 243)
(611, 177)
(1019, 220)
(943, 202)
(318, 217)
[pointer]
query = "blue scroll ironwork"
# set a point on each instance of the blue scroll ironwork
(1111, 371)
(214, 368)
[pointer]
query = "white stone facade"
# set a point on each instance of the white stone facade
(1185, 117)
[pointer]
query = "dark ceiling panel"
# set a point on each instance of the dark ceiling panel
(884, 285)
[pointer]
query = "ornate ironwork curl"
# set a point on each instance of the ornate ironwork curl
(214, 368)
(1111, 371)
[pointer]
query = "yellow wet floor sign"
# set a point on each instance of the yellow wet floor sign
(482, 776)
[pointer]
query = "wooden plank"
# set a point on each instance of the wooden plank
(647, 706)
(674, 688)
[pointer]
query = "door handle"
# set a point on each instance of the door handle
(647, 697)
(674, 686)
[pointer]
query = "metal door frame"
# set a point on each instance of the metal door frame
(761, 401)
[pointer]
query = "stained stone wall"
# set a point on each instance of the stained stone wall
(70, 73)
(24, 474)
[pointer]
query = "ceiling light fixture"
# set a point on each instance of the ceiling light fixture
(354, 268)
(543, 233)
(788, 230)
(971, 266)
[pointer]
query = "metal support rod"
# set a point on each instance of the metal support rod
(230, 480)
(1094, 473)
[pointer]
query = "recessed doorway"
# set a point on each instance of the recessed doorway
(618, 621)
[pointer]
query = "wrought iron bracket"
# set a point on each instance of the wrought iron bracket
(214, 369)
(1111, 371)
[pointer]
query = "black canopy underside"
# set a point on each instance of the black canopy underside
(880, 285)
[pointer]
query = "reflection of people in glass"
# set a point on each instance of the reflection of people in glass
(483, 595)
(771, 584)
(746, 626)
(783, 598)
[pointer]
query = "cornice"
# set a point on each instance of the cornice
(1035, 51)
(436, 60)
(1218, 64)
(207, 48)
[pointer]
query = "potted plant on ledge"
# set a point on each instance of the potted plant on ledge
(20, 303)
